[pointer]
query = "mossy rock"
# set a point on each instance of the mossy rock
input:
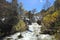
(57, 36)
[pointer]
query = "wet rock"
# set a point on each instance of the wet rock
(20, 36)
(39, 22)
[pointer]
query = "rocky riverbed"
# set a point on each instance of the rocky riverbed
(33, 33)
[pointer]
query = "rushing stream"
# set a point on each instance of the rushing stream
(32, 34)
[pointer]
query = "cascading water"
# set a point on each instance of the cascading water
(32, 34)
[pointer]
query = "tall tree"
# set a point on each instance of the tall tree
(21, 10)
(46, 5)
(57, 5)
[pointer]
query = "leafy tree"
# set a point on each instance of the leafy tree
(9, 17)
(57, 4)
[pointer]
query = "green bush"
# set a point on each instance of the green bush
(20, 26)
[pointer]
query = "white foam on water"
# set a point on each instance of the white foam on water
(35, 30)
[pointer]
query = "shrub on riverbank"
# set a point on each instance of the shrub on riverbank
(20, 26)
(51, 22)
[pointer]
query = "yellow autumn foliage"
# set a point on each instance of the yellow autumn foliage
(55, 14)
(50, 18)
(47, 18)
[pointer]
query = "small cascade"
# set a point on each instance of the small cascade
(32, 34)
